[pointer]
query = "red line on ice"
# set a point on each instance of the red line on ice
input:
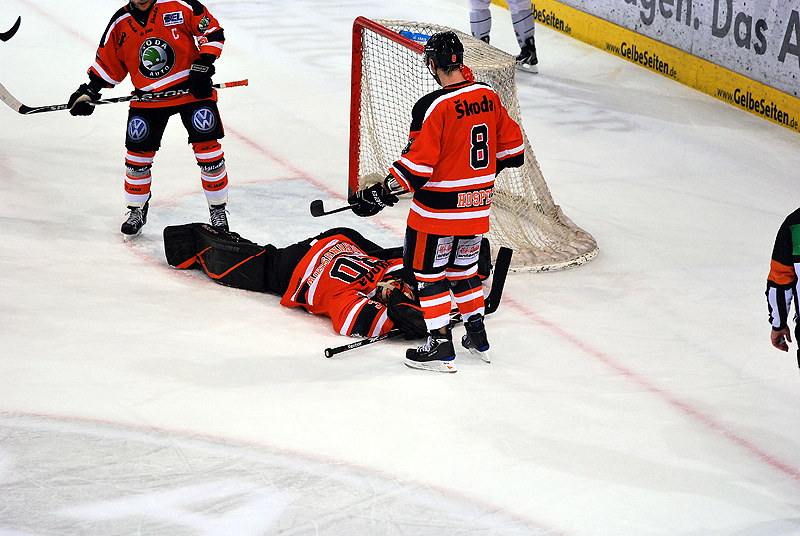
(791, 472)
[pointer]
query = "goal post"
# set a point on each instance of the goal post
(389, 76)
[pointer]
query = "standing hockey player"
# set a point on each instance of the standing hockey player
(782, 283)
(163, 45)
(338, 273)
(522, 18)
(461, 137)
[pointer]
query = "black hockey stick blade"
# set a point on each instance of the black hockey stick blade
(318, 208)
(5, 36)
(501, 266)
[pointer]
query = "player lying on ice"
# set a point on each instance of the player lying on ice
(361, 286)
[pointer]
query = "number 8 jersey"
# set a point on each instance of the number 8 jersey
(461, 137)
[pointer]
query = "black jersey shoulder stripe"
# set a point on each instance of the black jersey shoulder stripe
(420, 109)
(197, 7)
(119, 15)
(424, 104)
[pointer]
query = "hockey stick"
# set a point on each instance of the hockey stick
(330, 352)
(5, 36)
(501, 265)
(317, 208)
(17, 106)
(491, 303)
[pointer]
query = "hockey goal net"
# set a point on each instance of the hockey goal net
(389, 76)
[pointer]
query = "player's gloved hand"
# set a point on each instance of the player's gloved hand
(406, 316)
(372, 200)
(79, 101)
(200, 75)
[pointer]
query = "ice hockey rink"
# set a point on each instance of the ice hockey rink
(635, 395)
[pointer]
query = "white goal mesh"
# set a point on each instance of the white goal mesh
(389, 76)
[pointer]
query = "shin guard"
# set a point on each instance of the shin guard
(227, 258)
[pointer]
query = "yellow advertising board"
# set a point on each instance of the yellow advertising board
(719, 82)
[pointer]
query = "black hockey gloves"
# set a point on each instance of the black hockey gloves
(372, 200)
(406, 316)
(200, 76)
(79, 101)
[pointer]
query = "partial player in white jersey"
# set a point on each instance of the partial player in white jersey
(522, 18)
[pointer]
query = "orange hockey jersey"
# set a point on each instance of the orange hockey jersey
(337, 279)
(461, 136)
(157, 54)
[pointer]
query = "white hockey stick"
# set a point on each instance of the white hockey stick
(9, 99)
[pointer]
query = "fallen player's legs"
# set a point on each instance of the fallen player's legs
(225, 257)
(234, 261)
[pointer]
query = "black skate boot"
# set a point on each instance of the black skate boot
(437, 354)
(475, 339)
(527, 61)
(137, 217)
(219, 217)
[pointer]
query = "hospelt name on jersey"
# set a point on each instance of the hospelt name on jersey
(475, 199)
(157, 49)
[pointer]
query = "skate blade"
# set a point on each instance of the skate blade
(433, 366)
(528, 68)
(484, 356)
(130, 237)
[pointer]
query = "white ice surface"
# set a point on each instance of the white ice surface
(636, 395)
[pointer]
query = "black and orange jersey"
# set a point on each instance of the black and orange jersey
(782, 282)
(157, 51)
(459, 136)
(337, 279)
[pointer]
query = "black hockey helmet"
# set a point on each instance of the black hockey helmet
(445, 49)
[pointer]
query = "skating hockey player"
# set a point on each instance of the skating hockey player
(461, 137)
(163, 45)
(362, 287)
(782, 283)
(522, 19)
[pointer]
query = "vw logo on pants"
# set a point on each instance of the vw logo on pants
(204, 120)
(138, 129)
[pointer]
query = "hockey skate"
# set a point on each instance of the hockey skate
(475, 339)
(219, 216)
(137, 217)
(437, 354)
(527, 61)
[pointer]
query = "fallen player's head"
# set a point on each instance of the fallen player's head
(392, 283)
(402, 306)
